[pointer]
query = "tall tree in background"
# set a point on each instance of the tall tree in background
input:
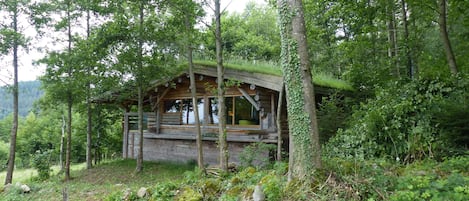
(190, 11)
(445, 38)
(69, 95)
(305, 152)
(89, 126)
(60, 77)
(137, 47)
(412, 70)
(139, 79)
(392, 37)
(222, 143)
(12, 40)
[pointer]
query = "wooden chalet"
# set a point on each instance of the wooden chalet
(252, 104)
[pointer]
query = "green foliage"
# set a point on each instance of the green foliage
(399, 122)
(14, 193)
(5, 128)
(448, 180)
(359, 179)
(28, 93)
(189, 194)
(4, 150)
(164, 191)
(256, 155)
(250, 35)
(42, 163)
(273, 186)
(332, 113)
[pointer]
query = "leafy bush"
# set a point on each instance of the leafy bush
(400, 122)
(164, 191)
(189, 194)
(331, 116)
(429, 180)
(41, 162)
(254, 155)
(4, 150)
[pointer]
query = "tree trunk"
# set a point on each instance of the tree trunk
(139, 167)
(445, 38)
(69, 99)
(14, 128)
(89, 158)
(62, 142)
(304, 135)
(221, 91)
(413, 71)
(392, 38)
(69, 136)
(200, 154)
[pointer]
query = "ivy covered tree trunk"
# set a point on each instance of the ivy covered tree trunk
(305, 151)
(221, 92)
(445, 38)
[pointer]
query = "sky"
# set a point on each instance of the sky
(28, 71)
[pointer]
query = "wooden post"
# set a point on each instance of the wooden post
(207, 116)
(273, 120)
(133, 146)
(159, 110)
(279, 123)
(125, 143)
(233, 107)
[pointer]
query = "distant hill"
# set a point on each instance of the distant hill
(29, 91)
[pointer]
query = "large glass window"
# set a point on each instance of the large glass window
(188, 113)
(239, 111)
(185, 108)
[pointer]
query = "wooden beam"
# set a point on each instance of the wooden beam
(125, 141)
(279, 123)
(162, 95)
(249, 98)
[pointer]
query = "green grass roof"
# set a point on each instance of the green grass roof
(319, 79)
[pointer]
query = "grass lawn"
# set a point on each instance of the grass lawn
(98, 182)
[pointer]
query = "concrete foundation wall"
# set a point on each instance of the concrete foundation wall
(184, 150)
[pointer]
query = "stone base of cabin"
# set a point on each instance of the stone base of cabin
(184, 149)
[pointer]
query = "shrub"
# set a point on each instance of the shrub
(400, 122)
(430, 180)
(4, 150)
(164, 191)
(332, 112)
(254, 155)
(41, 162)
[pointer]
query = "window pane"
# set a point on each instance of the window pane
(213, 111)
(245, 112)
(171, 106)
(188, 114)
